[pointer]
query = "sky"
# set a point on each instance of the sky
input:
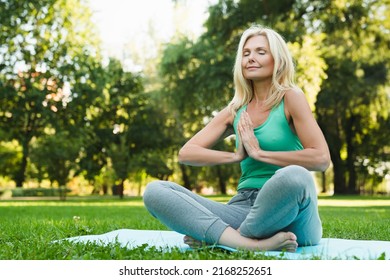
(124, 22)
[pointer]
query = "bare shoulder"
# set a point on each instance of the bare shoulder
(296, 103)
(294, 95)
(224, 116)
(221, 124)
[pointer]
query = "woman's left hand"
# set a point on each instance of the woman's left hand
(247, 136)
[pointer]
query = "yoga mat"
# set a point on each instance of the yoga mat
(328, 249)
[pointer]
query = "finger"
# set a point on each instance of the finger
(247, 120)
(244, 124)
(244, 117)
(241, 127)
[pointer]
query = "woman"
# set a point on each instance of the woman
(278, 142)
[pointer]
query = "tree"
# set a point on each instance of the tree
(353, 105)
(55, 155)
(10, 155)
(46, 48)
(133, 125)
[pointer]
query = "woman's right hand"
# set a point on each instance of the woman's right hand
(241, 153)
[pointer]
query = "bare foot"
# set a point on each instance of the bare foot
(282, 241)
(192, 242)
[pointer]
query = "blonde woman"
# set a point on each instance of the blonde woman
(277, 143)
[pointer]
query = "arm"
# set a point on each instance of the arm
(315, 154)
(197, 151)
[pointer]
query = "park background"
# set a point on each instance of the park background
(77, 119)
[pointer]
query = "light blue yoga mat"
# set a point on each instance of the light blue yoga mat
(328, 249)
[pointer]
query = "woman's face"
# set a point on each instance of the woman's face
(257, 62)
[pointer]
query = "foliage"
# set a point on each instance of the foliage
(133, 125)
(45, 46)
(56, 155)
(64, 114)
(10, 154)
(70, 115)
(353, 104)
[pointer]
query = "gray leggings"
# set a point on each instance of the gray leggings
(286, 202)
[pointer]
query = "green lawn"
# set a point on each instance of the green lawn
(28, 227)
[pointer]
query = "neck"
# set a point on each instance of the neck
(261, 91)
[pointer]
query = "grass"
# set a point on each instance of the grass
(28, 227)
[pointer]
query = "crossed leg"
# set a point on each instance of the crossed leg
(281, 241)
(284, 213)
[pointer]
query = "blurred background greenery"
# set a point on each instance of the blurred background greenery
(76, 122)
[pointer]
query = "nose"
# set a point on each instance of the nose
(250, 57)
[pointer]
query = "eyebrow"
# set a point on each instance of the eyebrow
(256, 49)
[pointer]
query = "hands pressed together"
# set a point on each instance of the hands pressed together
(248, 143)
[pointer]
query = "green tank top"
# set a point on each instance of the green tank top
(274, 134)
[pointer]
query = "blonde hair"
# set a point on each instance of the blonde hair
(283, 73)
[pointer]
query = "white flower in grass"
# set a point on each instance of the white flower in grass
(76, 218)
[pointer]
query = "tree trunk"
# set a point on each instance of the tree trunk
(186, 179)
(221, 180)
(351, 170)
(21, 175)
(339, 180)
(121, 188)
(323, 182)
